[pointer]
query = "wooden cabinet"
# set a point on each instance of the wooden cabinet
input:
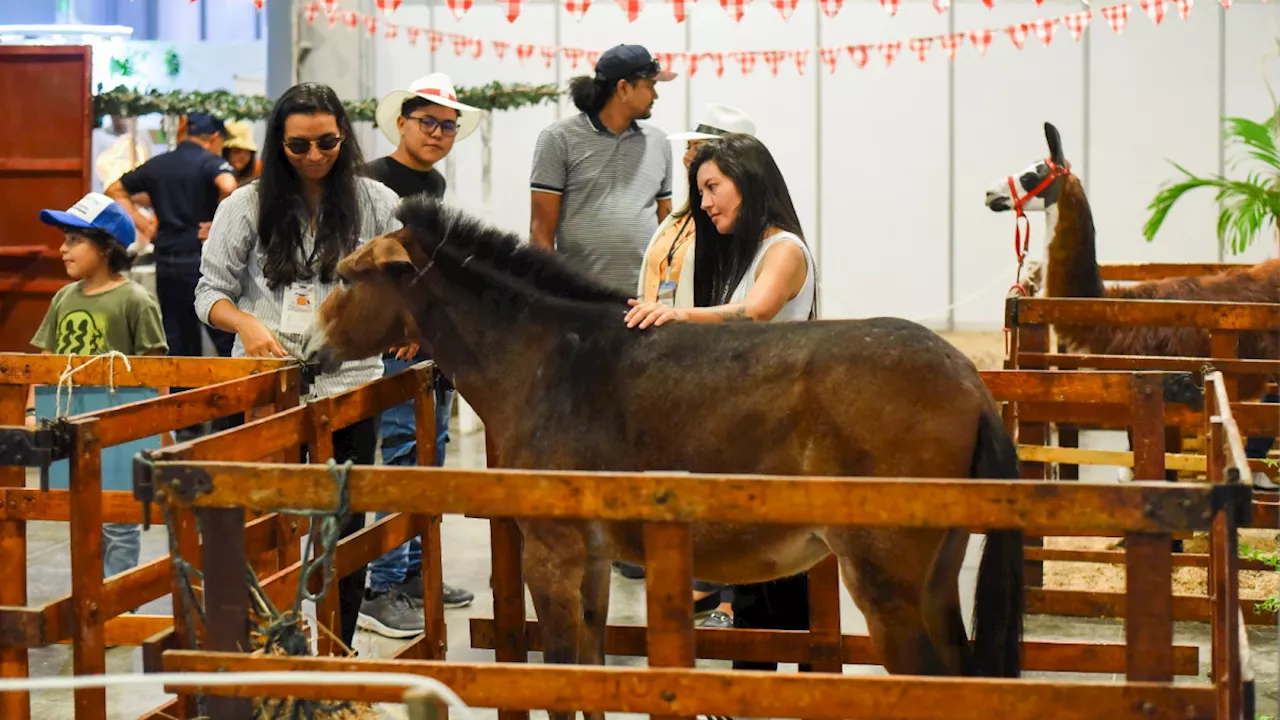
(44, 163)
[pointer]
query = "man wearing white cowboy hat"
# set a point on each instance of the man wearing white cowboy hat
(423, 121)
(668, 256)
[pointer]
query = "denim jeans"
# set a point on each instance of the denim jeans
(400, 447)
(121, 545)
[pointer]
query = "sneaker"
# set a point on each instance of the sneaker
(633, 572)
(717, 619)
(391, 613)
(452, 597)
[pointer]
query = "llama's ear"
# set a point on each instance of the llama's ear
(391, 256)
(1055, 144)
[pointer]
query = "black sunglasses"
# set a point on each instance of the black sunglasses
(429, 123)
(301, 146)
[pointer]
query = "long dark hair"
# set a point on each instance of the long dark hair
(280, 193)
(721, 261)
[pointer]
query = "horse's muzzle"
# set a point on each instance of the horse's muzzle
(318, 353)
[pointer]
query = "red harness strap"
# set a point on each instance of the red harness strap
(1021, 224)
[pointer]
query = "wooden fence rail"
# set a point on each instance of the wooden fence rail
(280, 438)
(1147, 514)
(94, 614)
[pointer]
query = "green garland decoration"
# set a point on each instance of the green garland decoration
(229, 106)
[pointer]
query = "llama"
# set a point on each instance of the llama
(1049, 186)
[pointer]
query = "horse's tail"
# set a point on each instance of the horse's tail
(999, 603)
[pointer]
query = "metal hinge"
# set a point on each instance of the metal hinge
(36, 447)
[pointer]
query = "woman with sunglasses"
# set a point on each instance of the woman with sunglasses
(272, 255)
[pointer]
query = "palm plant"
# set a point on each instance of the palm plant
(1246, 206)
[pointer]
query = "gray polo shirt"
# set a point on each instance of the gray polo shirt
(610, 186)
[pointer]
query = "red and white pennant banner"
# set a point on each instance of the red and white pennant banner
(736, 9)
(746, 61)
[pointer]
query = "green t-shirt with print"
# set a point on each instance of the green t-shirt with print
(125, 319)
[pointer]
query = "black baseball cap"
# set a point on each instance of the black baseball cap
(630, 61)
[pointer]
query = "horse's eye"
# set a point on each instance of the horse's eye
(344, 280)
(1029, 181)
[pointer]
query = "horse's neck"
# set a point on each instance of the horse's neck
(1072, 257)
(493, 357)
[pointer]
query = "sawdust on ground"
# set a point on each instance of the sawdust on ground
(1254, 585)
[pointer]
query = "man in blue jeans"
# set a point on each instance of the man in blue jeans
(423, 121)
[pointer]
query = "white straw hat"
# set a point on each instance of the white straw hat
(718, 120)
(435, 87)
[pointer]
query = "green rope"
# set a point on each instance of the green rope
(281, 629)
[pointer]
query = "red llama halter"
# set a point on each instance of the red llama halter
(1021, 225)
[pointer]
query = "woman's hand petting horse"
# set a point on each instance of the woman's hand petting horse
(645, 314)
(258, 340)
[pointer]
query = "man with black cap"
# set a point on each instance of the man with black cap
(185, 186)
(601, 181)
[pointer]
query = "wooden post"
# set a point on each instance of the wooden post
(289, 528)
(1148, 556)
(319, 450)
(13, 561)
(226, 597)
(506, 544)
(1032, 338)
(89, 640)
(668, 585)
(436, 641)
(826, 651)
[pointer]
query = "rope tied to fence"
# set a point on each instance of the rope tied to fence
(281, 629)
(66, 378)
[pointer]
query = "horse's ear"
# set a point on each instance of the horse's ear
(1055, 144)
(391, 256)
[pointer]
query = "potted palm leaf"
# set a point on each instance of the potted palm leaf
(1246, 206)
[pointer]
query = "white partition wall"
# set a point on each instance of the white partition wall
(887, 165)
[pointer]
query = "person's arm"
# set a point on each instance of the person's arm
(664, 209)
(545, 210)
(664, 193)
(547, 181)
(134, 182)
(223, 263)
(781, 277)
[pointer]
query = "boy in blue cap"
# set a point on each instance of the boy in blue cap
(100, 312)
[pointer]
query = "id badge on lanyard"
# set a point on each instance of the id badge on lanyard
(667, 292)
(299, 308)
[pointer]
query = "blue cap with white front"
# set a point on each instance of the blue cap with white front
(94, 211)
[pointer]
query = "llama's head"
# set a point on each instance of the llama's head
(1036, 187)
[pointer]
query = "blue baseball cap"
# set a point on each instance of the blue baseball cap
(95, 211)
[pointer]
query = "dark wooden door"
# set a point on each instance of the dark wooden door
(44, 163)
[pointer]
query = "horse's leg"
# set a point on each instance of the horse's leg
(554, 566)
(942, 615)
(886, 573)
(595, 616)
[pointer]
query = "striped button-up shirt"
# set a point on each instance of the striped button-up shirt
(231, 269)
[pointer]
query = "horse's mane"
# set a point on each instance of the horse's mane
(494, 259)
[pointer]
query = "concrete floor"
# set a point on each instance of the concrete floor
(466, 562)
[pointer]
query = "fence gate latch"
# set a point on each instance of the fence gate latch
(35, 447)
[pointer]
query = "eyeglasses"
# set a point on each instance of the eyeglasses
(429, 123)
(302, 146)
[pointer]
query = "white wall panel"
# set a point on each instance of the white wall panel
(1153, 98)
(1002, 101)
(1251, 62)
(884, 168)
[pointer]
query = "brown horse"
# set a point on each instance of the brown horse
(542, 354)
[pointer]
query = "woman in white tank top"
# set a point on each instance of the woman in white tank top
(751, 261)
